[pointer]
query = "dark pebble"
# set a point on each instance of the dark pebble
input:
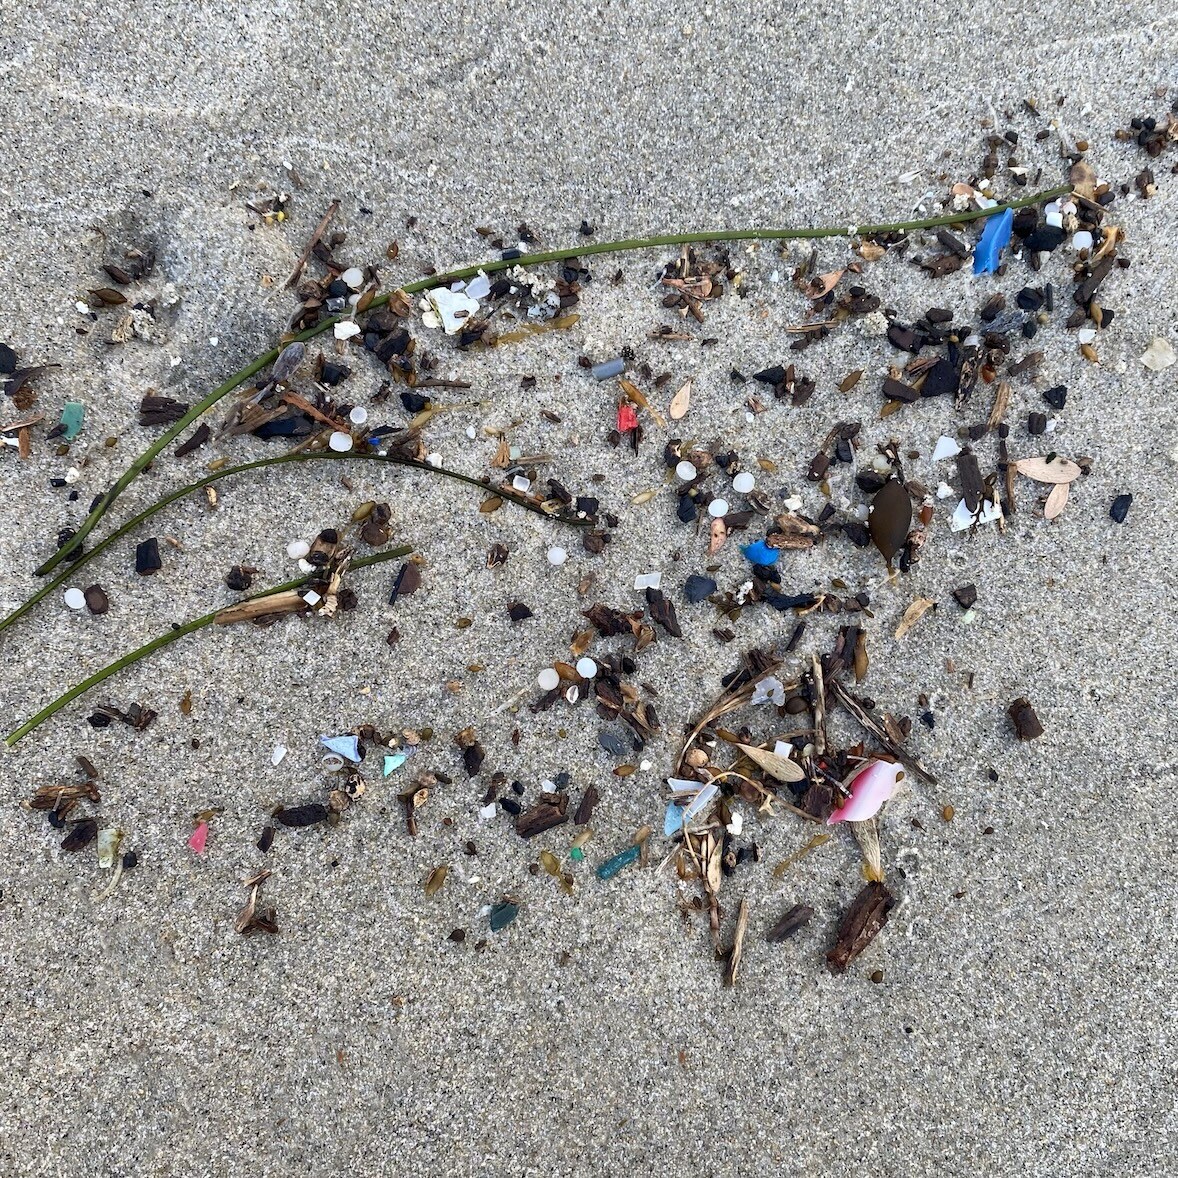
(697, 588)
(97, 601)
(966, 595)
(612, 743)
(1036, 424)
(147, 557)
(130, 861)
(1120, 508)
(687, 511)
(1029, 298)
(1056, 397)
(8, 360)
(334, 373)
(1045, 237)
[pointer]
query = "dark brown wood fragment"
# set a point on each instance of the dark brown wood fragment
(551, 810)
(408, 581)
(160, 410)
(82, 834)
(966, 595)
(797, 917)
(195, 440)
(897, 390)
(307, 815)
(867, 914)
(662, 610)
(969, 474)
(1088, 287)
(1026, 722)
(587, 805)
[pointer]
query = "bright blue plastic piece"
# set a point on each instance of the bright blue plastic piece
(673, 822)
(393, 761)
(995, 238)
(347, 747)
(760, 553)
(611, 867)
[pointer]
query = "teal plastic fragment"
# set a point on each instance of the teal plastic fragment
(611, 867)
(502, 915)
(72, 414)
(577, 854)
(393, 762)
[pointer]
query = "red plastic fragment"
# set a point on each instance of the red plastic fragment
(627, 419)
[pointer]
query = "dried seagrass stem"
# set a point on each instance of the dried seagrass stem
(71, 570)
(173, 635)
(585, 249)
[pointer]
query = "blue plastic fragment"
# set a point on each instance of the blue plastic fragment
(760, 553)
(608, 368)
(393, 761)
(995, 238)
(347, 747)
(673, 822)
(611, 867)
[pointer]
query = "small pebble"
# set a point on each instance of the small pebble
(297, 549)
(340, 442)
(586, 668)
(548, 679)
(743, 483)
(686, 470)
(75, 598)
(557, 555)
(1120, 508)
(358, 416)
(718, 508)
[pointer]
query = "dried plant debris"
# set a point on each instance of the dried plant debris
(867, 914)
(795, 919)
(1026, 722)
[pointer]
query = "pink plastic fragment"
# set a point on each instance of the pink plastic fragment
(869, 788)
(199, 838)
(627, 419)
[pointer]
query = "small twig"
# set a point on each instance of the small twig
(170, 636)
(863, 716)
(819, 708)
(297, 272)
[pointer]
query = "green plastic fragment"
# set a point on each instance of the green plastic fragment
(72, 414)
(502, 915)
(577, 854)
(611, 867)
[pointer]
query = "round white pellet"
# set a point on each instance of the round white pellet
(353, 276)
(340, 442)
(743, 483)
(358, 416)
(1082, 240)
(75, 598)
(297, 549)
(557, 555)
(718, 508)
(548, 679)
(686, 470)
(586, 668)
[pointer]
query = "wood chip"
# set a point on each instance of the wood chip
(867, 914)
(797, 917)
(913, 614)
(1049, 469)
(779, 767)
(737, 950)
(1056, 501)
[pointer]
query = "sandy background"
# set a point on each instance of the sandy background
(1025, 1023)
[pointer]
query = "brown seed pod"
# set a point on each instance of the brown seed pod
(890, 519)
